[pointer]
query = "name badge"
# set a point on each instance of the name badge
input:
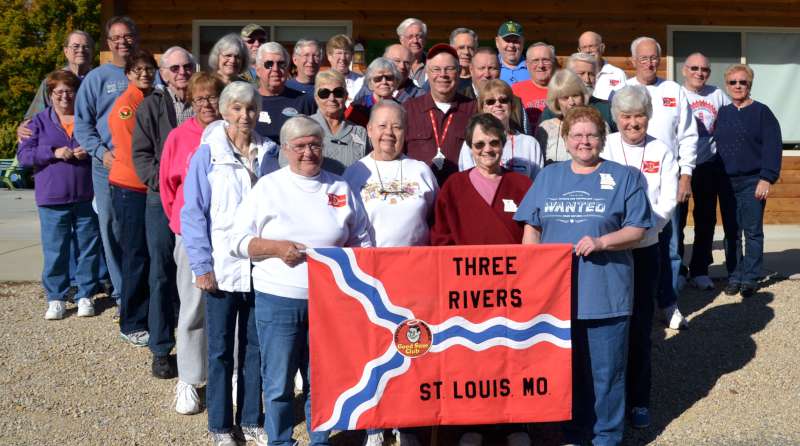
(264, 117)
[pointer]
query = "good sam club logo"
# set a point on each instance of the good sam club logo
(413, 338)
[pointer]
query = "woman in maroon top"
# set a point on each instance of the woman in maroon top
(476, 206)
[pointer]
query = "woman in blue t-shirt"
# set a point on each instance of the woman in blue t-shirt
(601, 208)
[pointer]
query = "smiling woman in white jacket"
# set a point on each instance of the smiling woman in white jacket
(293, 208)
(632, 146)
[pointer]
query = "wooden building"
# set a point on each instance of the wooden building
(762, 33)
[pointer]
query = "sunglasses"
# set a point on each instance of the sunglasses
(741, 82)
(383, 77)
(188, 68)
(251, 40)
(271, 63)
(702, 69)
(495, 143)
(338, 93)
(502, 99)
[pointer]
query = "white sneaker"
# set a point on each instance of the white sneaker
(55, 310)
(374, 439)
(519, 439)
(186, 400)
(85, 307)
(407, 439)
(674, 318)
(702, 283)
(225, 439)
(256, 434)
(471, 439)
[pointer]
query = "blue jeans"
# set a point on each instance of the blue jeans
(599, 352)
(670, 242)
(162, 318)
(283, 333)
(60, 225)
(645, 285)
(709, 182)
(750, 221)
(109, 232)
(129, 208)
(222, 309)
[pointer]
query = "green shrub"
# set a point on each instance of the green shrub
(31, 34)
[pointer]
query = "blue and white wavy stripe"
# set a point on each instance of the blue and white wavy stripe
(366, 289)
(500, 331)
(368, 391)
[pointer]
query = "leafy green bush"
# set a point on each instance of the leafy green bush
(31, 34)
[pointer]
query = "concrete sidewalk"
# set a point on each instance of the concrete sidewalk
(21, 253)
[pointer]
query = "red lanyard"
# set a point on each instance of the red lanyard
(440, 142)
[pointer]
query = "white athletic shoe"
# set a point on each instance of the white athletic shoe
(85, 307)
(674, 318)
(226, 439)
(55, 310)
(186, 400)
(374, 439)
(255, 434)
(702, 283)
(471, 439)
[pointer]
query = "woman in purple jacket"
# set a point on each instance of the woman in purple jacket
(63, 176)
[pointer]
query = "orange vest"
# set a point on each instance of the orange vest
(121, 122)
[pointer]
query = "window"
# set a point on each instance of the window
(770, 52)
(205, 33)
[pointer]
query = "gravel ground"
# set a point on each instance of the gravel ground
(733, 378)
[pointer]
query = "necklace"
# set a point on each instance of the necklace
(386, 192)
(625, 157)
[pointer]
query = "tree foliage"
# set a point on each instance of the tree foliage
(31, 35)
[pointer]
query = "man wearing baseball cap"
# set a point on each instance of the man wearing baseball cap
(510, 40)
(438, 120)
(254, 36)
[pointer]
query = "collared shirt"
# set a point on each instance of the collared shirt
(347, 146)
(183, 109)
(610, 78)
(420, 141)
(512, 75)
(420, 77)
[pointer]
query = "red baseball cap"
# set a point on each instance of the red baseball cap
(442, 48)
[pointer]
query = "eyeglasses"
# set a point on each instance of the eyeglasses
(126, 37)
(271, 63)
(494, 143)
(646, 59)
(202, 100)
(580, 138)
(502, 99)
(701, 69)
(541, 61)
(314, 147)
(338, 93)
(439, 70)
(67, 93)
(252, 40)
(141, 70)
(741, 82)
(76, 47)
(188, 68)
(383, 77)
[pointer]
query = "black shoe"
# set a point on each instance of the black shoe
(747, 290)
(732, 289)
(162, 367)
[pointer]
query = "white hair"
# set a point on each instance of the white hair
(458, 31)
(381, 64)
(546, 45)
(583, 57)
(302, 43)
(168, 53)
(631, 99)
(271, 48)
(639, 40)
(388, 104)
(298, 127)
(241, 92)
(225, 43)
(401, 28)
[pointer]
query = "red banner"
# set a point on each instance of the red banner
(406, 337)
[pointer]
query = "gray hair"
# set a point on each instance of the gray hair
(631, 99)
(381, 64)
(583, 57)
(272, 48)
(79, 33)
(241, 92)
(298, 127)
(546, 45)
(302, 43)
(639, 40)
(389, 104)
(226, 43)
(162, 63)
(458, 31)
(401, 28)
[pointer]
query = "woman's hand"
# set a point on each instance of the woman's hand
(80, 153)
(63, 153)
(762, 190)
(588, 245)
(206, 282)
(291, 253)
(23, 132)
(108, 159)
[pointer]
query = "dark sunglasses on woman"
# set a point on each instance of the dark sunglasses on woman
(338, 93)
(502, 99)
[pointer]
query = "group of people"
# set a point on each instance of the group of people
(199, 192)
